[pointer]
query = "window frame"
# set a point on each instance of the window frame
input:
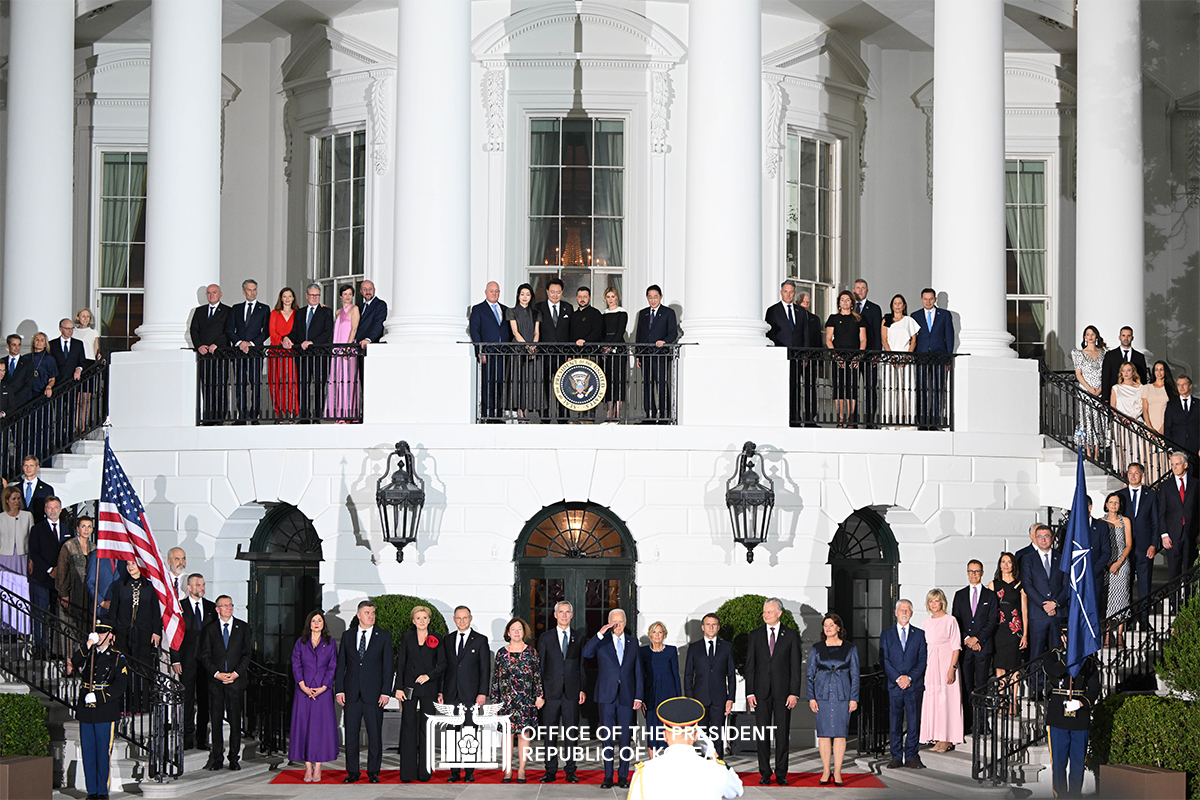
(837, 222)
(329, 285)
(1051, 200)
(95, 222)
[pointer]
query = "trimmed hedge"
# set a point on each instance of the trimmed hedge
(739, 616)
(23, 730)
(393, 613)
(1180, 662)
(1154, 731)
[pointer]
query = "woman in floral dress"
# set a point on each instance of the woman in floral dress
(1011, 636)
(1088, 361)
(517, 686)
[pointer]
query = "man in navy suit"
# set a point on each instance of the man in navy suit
(248, 326)
(789, 325)
(68, 352)
(468, 671)
(45, 540)
(1181, 418)
(773, 679)
(208, 326)
(1178, 508)
(372, 313)
(560, 652)
(487, 325)
(19, 377)
(872, 319)
(904, 654)
(619, 685)
(314, 326)
(656, 325)
(198, 614)
(935, 334)
(362, 683)
(1101, 549)
(225, 649)
(977, 609)
(1141, 506)
(1043, 583)
(709, 676)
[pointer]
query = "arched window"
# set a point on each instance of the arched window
(863, 559)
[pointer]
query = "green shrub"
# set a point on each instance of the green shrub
(739, 616)
(1153, 731)
(1180, 662)
(393, 613)
(23, 729)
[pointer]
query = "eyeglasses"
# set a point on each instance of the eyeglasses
(974, 572)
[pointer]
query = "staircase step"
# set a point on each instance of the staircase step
(69, 461)
(202, 783)
(956, 762)
(93, 447)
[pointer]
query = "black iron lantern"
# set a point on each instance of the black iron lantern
(401, 501)
(750, 500)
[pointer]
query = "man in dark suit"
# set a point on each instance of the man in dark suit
(1101, 549)
(1042, 580)
(68, 352)
(249, 326)
(372, 314)
(904, 655)
(198, 615)
(34, 491)
(816, 326)
(656, 326)
(1178, 508)
(872, 319)
(560, 652)
(773, 680)
(555, 329)
(487, 325)
(1141, 506)
(587, 323)
(935, 334)
(313, 326)
(468, 671)
(619, 686)
(977, 609)
(208, 330)
(710, 677)
(225, 649)
(788, 325)
(1110, 368)
(1181, 417)
(366, 668)
(45, 540)
(19, 377)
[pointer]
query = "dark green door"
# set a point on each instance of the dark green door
(281, 598)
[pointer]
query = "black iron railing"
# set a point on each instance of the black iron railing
(280, 385)
(562, 383)
(268, 708)
(47, 426)
(35, 651)
(871, 388)
(873, 727)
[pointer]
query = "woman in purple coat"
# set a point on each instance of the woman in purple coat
(314, 728)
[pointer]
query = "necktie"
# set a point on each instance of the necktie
(362, 646)
(1187, 404)
(248, 307)
(225, 634)
(175, 585)
(496, 311)
(711, 649)
(1134, 492)
(308, 321)
(620, 650)
(903, 637)
(12, 365)
(974, 600)
(1046, 563)
(652, 313)
(211, 310)
(197, 617)
(860, 308)
(929, 317)
(565, 641)
(461, 640)
(1126, 356)
(28, 493)
(1182, 491)
(771, 643)
(54, 530)
(792, 322)
(554, 313)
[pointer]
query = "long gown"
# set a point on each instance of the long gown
(343, 372)
(314, 734)
(662, 683)
(1118, 585)
(1093, 433)
(281, 368)
(1011, 627)
(941, 714)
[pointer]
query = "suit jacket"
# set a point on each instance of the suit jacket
(783, 334)
(216, 657)
(74, 357)
(550, 332)
(43, 550)
(371, 318)
(19, 381)
(616, 683)
(1183, 428)
(319, 331)
(1145, 521)
(1020, 554)
(254, 330)
(207, 331)
(982, 624)
(1178, 519)
(364, 681)
(1040, 588)
(37, 506)
(938, 340)
(414, 660)
(1102, 554)
(193, 632)
(909, 661)
(562, 678)
(467, 675)
(587, 324)
(1110, 369)
(712, 681)
(663, 329)
(872, 319)
(485, 328)
(774, 676)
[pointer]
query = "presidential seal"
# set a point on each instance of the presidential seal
(580, 384)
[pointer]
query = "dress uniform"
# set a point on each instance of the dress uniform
(679, 771)
(1069, 703)
(105, 676)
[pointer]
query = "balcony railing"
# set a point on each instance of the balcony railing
(594, 383)
(47, 426)
(871, 388)
(280, 385)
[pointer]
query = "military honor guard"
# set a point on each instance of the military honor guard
(105, 676)
(680, 771)
(1069, 703)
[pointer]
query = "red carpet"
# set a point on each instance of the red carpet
(593, 777)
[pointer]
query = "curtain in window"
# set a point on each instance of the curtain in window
(609, 245)
(1027, 232)
(114, 233)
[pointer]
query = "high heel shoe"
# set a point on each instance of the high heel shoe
(838, 783)
(507, 778)
(823, 781)
(520, 780)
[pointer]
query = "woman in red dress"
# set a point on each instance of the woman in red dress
(281, 367)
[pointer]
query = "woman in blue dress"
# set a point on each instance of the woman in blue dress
(832, 694)
(660, 665)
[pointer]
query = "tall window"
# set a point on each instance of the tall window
(577, 204)
(122, 258)
(1025, 255)
(812, 218)
(337, 212)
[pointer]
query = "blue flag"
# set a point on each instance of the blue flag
(1083, 629)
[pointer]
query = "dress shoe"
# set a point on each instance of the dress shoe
(506, 779)
(571, 778)
(548, 778)
(453, 778)
(372, 779)
(351, 779)
(202, 746)
(781, 780)
(234, 765)
(213, 766)
(895, 763)
(606, 783)
(623, 784)
(470, 776)
(764, 781)
(915, 763)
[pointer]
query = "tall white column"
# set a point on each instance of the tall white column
(1110, 210)
(433, 178)
(183, 173)
(37, 193)
(723, 267)
(968, 171)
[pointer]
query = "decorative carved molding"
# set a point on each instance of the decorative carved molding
(378, 121)
(654, 37)
(660, 105)
(492, 91)
(774, 143)
(862, 154)
(928, 112)
(572, 61)
(1191, 119)
(287, 140)
(229, 93)
(827, 42)
(322, 39)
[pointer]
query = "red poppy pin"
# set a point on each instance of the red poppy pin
(431, 640)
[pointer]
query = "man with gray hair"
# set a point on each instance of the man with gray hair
(313, 326)
(789, 326)
(619, 687)
(560, 653)
(207, 329)
(773, 678)
(904, 654)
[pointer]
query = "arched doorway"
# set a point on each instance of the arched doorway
(285, 581)
(863, 561)
(581, 553)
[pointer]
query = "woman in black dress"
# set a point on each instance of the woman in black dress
(524, 320)
(419, 667)
(1011, 636)
(136, 617)
(845, 331)
(616, 365)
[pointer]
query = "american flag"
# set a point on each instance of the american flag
(124, 534)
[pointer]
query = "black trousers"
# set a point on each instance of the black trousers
(355, 712)
(550, 405)
(214, 388)
(412, 739)
(561, 712)
(195, 699)
(313, 385)
(225, 703)
(247, 386)
(973, 670)
(773, 711)
(491, 386)
(1179, 557)
(1144, 569)
(714, 720)
(656, 385)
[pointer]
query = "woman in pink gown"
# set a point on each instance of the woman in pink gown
(941, 713)
(342, 402)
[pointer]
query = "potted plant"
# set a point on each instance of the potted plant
(26, 769)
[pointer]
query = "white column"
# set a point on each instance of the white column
(968, 171)
(1110, 210)
(183, 177)
(723, 267)
(433, 179)
(37, 203)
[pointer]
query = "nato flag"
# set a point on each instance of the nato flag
(1083, 630)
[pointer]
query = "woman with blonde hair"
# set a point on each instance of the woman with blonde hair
(90, 337)
(660, 666)
(941, 713)
(420, 663)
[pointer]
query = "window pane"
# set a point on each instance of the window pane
(321, 255)
(826, 211)
(114, 220)
(1010, 272)
(360, 154)
(576, 191)
(341, 157)
(824, 167)
(577, 142)
(341, 252)
(808, 162)
(543, 191)
(114, 259)
(116, 175)
(360, 199)
(807, 253)
(793, 159)
(608, 244)
(825, 260)
(137, 266)
(1032, 272)
(609, 193)
(791, 243)
(325, 160)
(1031, 320)
(324, 207)
(1032, 227)
(544, 142)
(610, 143)
(357, 261)
(114, 316)
(543, 241)
(341, 204)
(577, 241)
(808, 209)
(1032, 182)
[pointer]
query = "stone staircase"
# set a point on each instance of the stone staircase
(76, 476)
(1056, 477)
